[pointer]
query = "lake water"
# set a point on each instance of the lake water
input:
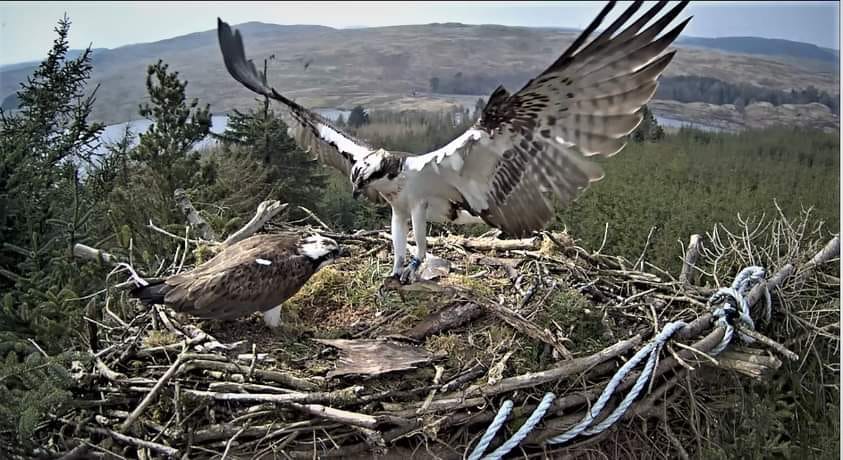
(219, 123)
(114, 133)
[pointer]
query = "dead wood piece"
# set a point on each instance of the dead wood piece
(266, 211)
(526, 327)
(234, 387)
(752, 365)
(339, 397)
(507, 264)
(565, 369)
(196, 221)
(769, 342)
(829, 252)
(106, 372)
(78, 452)
(152, 394)
(485, 244)
(174, 347)
(272, 376)
(122, 438)
(375, 357)
(452, 316)
(82, 251)
(689, 271)
(346, 417)
(476, 371)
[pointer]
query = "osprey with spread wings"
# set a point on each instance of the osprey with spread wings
(525, 148)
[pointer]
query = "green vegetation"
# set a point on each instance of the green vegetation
(55, 193)
(691, 179)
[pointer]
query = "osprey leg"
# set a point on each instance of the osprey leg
(419, 218)
(399, 241)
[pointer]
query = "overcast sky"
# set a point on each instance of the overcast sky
(26, 28)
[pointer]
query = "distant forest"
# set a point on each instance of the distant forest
(714, 91)
(681, 88)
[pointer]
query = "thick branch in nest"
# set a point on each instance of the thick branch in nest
(565, 369)
(341, 397)
(84, 252)
(481, 244)
(196, 221)
(689, 268)
(273, 376)
(452, 316)
(750, 364)
(526, 327)
(266, 211)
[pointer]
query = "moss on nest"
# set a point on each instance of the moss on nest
(576, 316)
(159, 338)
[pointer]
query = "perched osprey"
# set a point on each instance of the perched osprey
(256, 274)
(525, 148)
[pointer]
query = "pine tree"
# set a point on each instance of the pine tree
(649, 130)
(44, 205)
(178, 126)
(258, 141)
(358, 117)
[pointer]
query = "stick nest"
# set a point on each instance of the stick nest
(510, 320)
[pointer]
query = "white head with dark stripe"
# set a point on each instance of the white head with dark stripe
(321, 250)
(376, 168)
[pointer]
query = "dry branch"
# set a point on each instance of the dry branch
(266, 211)
(272, 376)
(227, 401)
(526, 327)
(689, 265)
(84, 252)
(152, 394)
(341, 397)
(565, 369)
(486, 244)
(196, 221)
(449, 317)
(132, 441)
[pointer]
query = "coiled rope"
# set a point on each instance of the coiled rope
(726, 314)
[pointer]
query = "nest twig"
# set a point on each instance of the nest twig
(191, 394)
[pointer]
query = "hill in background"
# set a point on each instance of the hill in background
(380, 67)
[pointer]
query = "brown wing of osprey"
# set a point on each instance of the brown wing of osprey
(533, 147)
(582, 105)
(253, 275)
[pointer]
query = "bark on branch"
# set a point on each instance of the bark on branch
(84, 252)
(196, 221)
(689, 272)
(266, 211)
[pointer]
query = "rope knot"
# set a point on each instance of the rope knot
(732, 307)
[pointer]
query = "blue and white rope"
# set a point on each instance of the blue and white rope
(724, 315)
(497, 423)
(746, 278)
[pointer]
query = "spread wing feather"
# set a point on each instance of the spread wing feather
(313, 132)
(533, 145)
